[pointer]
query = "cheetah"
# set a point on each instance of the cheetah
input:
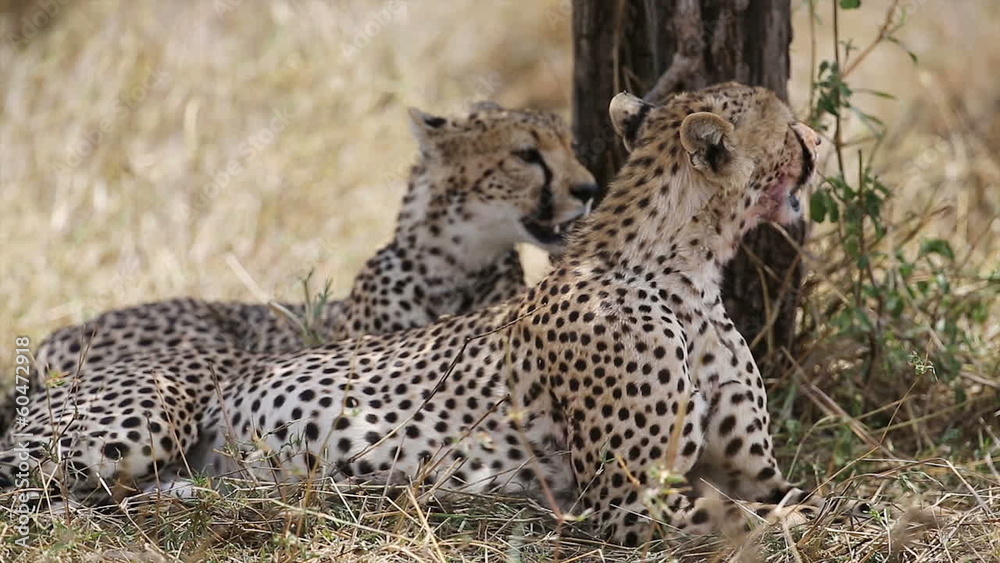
(621, 365)
(484, 182)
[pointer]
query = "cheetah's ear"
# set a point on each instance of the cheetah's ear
(707, 139)
(425, 126)
(627, 114)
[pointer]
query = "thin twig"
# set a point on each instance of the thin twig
(883, 34)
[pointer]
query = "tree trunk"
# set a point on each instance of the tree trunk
(658, 47)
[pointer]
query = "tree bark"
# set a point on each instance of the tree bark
(657, 48)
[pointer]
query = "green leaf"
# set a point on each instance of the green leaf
(936, 246)
(894, 304)
(913, 56)
(861, 318)
(850, 4)
(818, 206)
(980, 313)
(874, 124)
(943, 283)
(960, 397)
(878, 93)
(833, 210)
(851, 247)
(923, 286)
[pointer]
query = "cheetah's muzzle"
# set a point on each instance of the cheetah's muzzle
(551, 234)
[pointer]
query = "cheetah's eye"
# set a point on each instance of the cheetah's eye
(531, 156)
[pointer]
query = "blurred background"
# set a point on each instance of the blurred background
(225, 148)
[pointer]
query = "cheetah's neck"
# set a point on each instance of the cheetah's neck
(436, 222)
(423, 273)
(681, 231)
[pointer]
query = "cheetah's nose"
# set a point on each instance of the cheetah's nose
(585, 192)
(807, 134)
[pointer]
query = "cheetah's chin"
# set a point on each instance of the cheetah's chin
(780, 204)
(554, 234)
(793, 199)
(548, 234)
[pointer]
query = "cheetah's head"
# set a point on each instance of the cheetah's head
(512, 174)
(738, 140)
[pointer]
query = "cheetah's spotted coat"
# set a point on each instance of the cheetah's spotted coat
(620, 362)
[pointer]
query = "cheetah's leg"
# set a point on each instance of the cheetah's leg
(616, 468)
(738, 458)
(636, 516)
(87, 437)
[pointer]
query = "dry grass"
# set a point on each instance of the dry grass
(117, 117)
